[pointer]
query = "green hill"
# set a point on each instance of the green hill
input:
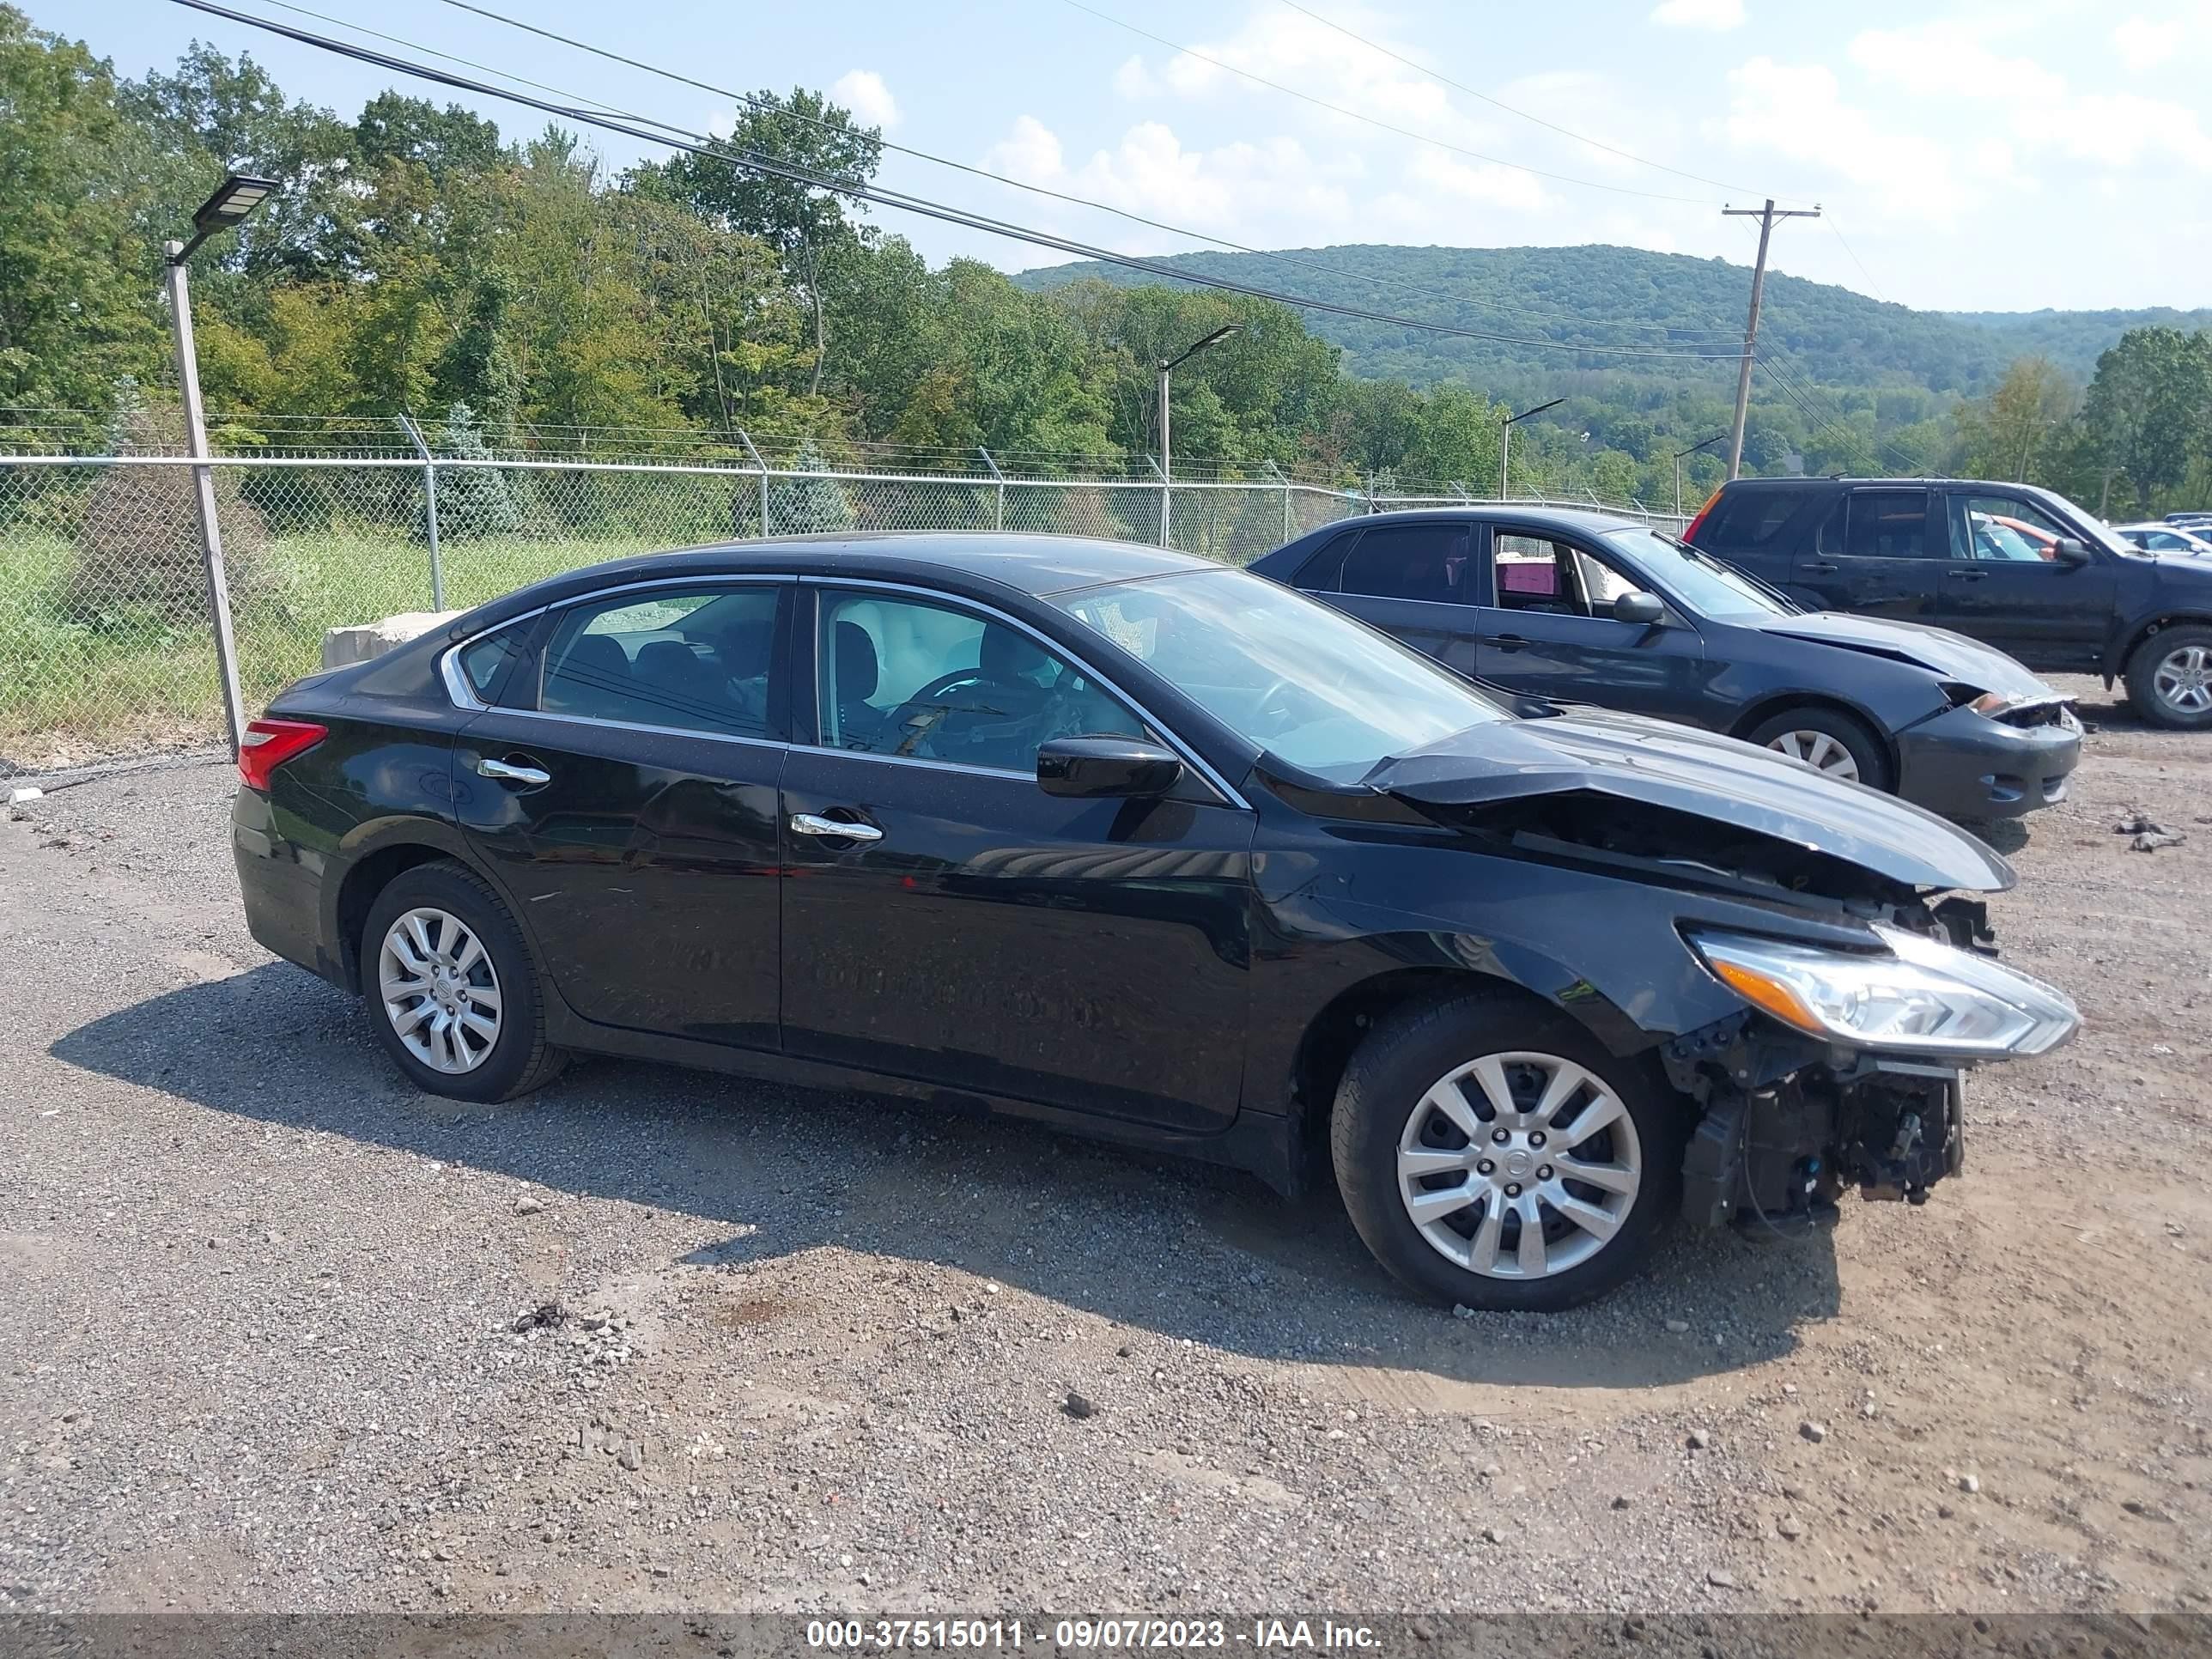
(1629, 298)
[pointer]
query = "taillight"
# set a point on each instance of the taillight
(267, 744)
(1690, 533)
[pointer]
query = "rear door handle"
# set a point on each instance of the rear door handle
(1966, 575)
(1508, 642)
(810, 823)
(493, 768)
(1817, 568)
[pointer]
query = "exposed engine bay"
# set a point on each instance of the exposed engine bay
(1789, 1122)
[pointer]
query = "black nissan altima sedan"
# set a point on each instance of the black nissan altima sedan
(1588, 607)
(1152, 850)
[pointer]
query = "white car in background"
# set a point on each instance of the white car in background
(2156, 538)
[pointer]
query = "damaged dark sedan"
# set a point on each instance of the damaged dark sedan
(1589, 607)
(1140, 847)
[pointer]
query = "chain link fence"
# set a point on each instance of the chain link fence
(106, 638)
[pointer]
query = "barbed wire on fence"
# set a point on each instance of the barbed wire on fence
(103, 622)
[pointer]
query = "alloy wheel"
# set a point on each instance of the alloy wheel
(1519, 1165)
(439, 990)
(1819, 751)
(2183, 679)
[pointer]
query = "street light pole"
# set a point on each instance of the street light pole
(1679, 455)
(1505, 442)
(1168, 367)
(234, 198)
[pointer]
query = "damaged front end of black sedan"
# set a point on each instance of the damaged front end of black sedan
(1829, 933)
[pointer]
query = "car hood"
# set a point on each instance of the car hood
(1734, 784)
(1954, 656)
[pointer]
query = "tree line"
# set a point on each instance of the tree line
(415, 258)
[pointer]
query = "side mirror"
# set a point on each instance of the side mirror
(2070, 550)
(1642, 609)
(1089, 768)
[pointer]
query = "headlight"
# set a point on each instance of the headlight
(1962, 696)
(1918, 997)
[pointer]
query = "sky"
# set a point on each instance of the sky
(1968, 154)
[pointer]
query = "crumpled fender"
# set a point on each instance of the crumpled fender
(1736, 784)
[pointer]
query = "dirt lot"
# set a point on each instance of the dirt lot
(816, 1352)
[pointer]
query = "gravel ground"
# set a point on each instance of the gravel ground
(809, 1351)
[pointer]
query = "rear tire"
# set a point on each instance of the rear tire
(1841, 746)
(1478, 1169)
(2167, 678)
(452, 987)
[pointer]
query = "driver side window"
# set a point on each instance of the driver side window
(931, 682)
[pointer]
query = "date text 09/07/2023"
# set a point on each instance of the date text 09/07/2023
(874, 1635)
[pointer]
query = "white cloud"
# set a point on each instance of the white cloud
(863, 92)
(1134, 81)
(1798, 112)
(1272, 191)
(2144, 45)
(1030, 153)
(1715, 15)
(1952, 61)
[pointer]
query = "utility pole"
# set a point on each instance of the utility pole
(1505, 440)
(1680, 455)
(1168, 367)
(235, 197)
(1766, 216)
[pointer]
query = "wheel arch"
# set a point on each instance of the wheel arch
(1781, 702)
(367, 877)
(1325, 1048)
(2132, 638)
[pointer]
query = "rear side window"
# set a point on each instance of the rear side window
(485, 662)
(697, 661)
(1746, 520)
(1411, 562)
(1319, 574)
(1887, 523)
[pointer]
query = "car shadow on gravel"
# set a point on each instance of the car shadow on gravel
(773, 1172)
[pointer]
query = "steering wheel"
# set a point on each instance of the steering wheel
(1267, 706)
(927, 699)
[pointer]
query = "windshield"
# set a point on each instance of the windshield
(1700, 581)
(1284, 672)
(2085, 523)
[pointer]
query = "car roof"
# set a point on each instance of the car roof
(1008, 560)
(1588, 521)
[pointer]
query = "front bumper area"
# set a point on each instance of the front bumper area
(1789, 1127)
(1966, 765)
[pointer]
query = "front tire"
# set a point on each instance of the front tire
(452, 988)
(1836, 744)
(2170, 678)
(1494, 1154)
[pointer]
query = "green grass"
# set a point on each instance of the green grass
(134, 679)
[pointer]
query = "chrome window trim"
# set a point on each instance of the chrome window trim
(458, 689)
(463, 696)
(938, 596)
(598, 721)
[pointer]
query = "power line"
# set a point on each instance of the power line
(1376, 121)
(786, 110)
(1443, 79)
(1859, 262)
(700, 145)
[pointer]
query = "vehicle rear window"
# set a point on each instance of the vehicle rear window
(1411, 561)
(1750, 518)
(1887, 523)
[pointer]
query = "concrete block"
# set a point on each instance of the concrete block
(341, 646)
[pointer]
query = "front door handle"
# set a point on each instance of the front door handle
(1817, 568)
(810, 823)
(1966, 575)
(493, 768)
(1508, 642)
